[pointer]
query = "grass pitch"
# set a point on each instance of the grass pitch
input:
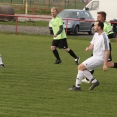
(32, 86)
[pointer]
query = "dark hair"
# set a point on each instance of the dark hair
(101, 24)
(103, 14)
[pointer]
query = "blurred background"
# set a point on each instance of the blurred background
(43, 6)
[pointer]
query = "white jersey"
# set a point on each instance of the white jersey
(101, 44)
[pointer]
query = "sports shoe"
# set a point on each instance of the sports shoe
(85, 80)
(77, 60)
(74, 88)
(57, 62)
(94, 85)
(1, 65)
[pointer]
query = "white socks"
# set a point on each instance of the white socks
(1, 59)
(79, 78)
(88, 75)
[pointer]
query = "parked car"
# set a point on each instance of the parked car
(76, 21)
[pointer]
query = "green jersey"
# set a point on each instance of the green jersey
(108, 28)
(56, 23)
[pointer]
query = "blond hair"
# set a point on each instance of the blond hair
(54, 8)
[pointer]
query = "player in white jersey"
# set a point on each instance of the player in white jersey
(108, 29)
(98, 51)
(101, 50)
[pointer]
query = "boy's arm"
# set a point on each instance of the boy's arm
(90, 47)
(60, 30)
(106, 60)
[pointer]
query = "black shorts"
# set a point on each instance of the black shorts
(110, 36)
(110, 56)
(61, 43)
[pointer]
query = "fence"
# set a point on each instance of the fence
(79, 4)
(33, 17)
(114, 23)
(16, 28)
(35, 7)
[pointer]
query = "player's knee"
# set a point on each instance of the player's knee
(53, 48)
(81, 67)
(67, 49)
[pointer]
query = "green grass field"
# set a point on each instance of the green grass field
(32, 86)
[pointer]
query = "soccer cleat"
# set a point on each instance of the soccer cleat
(1, 65)
(74, 88)
(57, 62)
(77, 60)
(85, 80)
(94, 85)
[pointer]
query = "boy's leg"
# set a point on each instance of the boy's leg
(56, 54)
(1, 63)
(71, 52)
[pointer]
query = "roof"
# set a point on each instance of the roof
(73, 10)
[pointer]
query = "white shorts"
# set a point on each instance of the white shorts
(93, 63)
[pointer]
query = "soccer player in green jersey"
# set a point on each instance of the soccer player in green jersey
(59, 37)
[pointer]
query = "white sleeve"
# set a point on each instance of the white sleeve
(93, 39)
(106, 41)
